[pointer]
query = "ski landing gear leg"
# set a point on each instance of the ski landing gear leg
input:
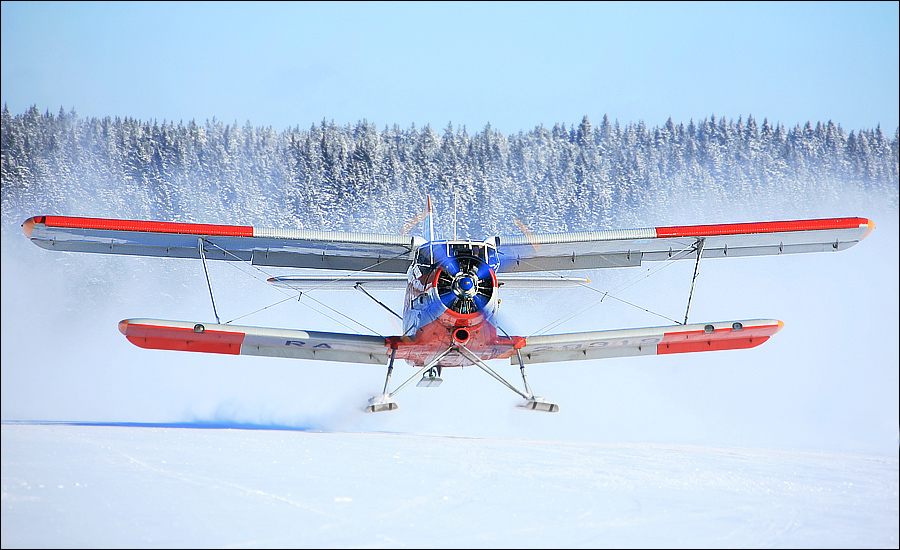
(532, 402)
(385, 401)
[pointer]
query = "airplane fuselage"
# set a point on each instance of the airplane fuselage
(451, 299)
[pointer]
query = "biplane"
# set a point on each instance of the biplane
(452, 288)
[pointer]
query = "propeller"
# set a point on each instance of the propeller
(445, 260)
(465, 284)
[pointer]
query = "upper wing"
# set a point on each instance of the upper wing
(647, 341)
(266, 247)
(271, 342)
(629, 247)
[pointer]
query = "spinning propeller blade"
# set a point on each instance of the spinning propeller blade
(416, 220)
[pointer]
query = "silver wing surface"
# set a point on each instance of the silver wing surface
(271, 342)
(359, 348)
(266, 247)
(307, 283)
(630, 247)
(648, 341)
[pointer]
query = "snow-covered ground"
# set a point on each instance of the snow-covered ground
(793, 443)
(121, 485)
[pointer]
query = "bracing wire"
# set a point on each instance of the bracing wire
(291, 296)
(240, 260)
(261, 309)
(620, 288)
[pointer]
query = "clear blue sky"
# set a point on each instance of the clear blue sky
(515, 65)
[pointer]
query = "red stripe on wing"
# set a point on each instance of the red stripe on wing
(182, 339)
(761, 227)
(146, 226)
(721, 339)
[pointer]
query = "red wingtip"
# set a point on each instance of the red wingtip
(28, 226)
(871, 225)
(123, 326)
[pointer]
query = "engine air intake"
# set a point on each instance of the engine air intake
(461, 335)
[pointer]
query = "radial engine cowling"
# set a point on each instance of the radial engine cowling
(467, 287)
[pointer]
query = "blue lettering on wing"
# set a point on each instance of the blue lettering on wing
(322, 345)
(300, 343)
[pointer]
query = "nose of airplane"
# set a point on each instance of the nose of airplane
(466, 283)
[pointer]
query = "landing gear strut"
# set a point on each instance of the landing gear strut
(532, 402)
(431, 377)
(385, 401)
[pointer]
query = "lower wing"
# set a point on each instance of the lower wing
(360, 348)
(270, 342)
(647, 341)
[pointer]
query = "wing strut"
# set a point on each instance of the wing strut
(208, 284)
(699, 248)
(358, 286)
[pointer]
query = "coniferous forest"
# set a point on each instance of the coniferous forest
(359, 177)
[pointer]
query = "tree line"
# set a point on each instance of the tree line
(359, 177)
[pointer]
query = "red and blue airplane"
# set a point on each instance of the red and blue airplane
(452, 288)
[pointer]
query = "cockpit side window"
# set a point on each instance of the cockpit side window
(424, 256)
(493, 259)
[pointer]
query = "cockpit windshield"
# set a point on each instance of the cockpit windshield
(466, 249)
(443, 249)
